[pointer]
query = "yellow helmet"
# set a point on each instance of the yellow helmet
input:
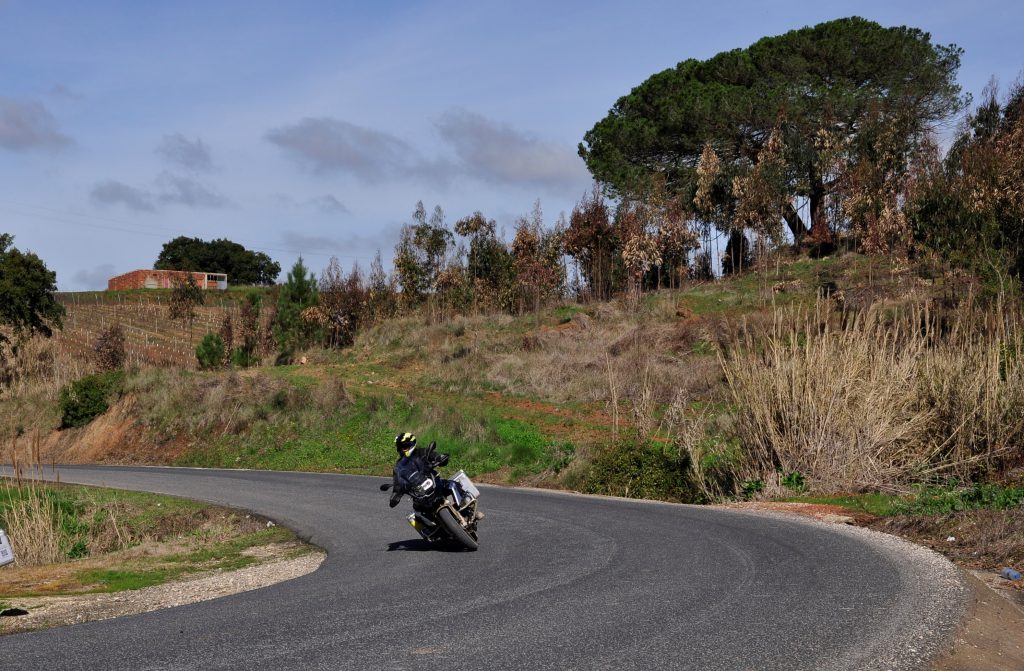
(405, 443)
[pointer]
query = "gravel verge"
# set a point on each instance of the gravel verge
(55, 611)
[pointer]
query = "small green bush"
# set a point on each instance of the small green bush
(795, 481)
(210, 351)
(954, 498)
(243, 359)
(641, 470)
(752, 487)
(89, 397)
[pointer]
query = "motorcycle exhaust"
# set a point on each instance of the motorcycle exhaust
(419, 522)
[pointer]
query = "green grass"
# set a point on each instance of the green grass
(294, 374)
(85, 512)
(881, 505)
(955, 498)
(68, 513)
(927, 501)
(717, 298)
(565, 313)
(359, 438)
(107, 581)
(225, 556)
(703, 347)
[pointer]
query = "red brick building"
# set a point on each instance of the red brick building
(164, 279)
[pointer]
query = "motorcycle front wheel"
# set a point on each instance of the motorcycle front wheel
(455, 529)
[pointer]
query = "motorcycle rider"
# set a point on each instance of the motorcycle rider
(416, 459)
(412, 458)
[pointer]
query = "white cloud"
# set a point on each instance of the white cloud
(189, 192)
(296, 241)
(330, 204)
(178, 150)
(170, 189)
(497, 153)
(27, 125)
(328, 145)
(333, 145)
(347, 247)
(486, 150)
(63, 92)
(112, 192)
(325, 204)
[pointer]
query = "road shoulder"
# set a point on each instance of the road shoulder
(991, 637)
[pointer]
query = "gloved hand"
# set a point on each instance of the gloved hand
(395, 498)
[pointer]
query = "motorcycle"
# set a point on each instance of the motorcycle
(443, 510)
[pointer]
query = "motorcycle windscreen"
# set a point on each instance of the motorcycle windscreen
(410, 473)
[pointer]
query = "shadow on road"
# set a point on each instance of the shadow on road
(420, 545)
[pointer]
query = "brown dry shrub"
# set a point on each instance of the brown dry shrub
(108, 350)
(109, 532)
(227, 336)
(630, 342)
(983, 538)
(331, 395)
(32, 361)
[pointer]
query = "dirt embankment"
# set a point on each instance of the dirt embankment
(113, 437)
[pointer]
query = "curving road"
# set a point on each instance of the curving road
(560, 582)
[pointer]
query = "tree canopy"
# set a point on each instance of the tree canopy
(27, 303)
(421, 252)
(970, 207)
(218, 256)
(833, 93)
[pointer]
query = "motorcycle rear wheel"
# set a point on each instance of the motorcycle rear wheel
(455, 529)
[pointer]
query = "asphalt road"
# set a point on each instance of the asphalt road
(560, 582)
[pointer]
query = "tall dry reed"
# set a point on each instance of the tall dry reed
(30, 384)
(29, 514)
(40, 364)
(880, 398)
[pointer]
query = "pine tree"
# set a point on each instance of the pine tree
(298, 293)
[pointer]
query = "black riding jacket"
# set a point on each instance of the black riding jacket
(420, 461)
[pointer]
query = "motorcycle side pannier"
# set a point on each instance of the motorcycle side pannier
(467, 484)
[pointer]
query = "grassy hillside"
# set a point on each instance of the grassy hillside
(842, 380)
(840, 374)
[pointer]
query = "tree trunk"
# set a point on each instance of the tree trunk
(795, 223)
(820, 233)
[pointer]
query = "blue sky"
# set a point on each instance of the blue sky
(314, 127)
